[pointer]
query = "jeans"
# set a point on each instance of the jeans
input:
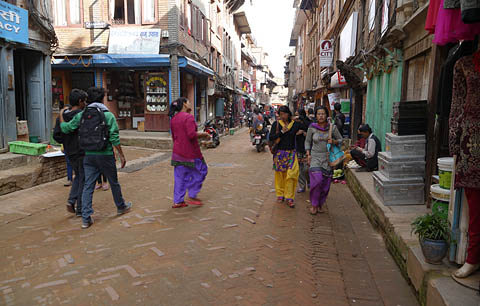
(94, 165)
(75, 196)
(69, 169)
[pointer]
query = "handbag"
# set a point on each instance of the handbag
(335, 154)
(273, 144)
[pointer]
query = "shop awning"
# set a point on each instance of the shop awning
(194, 66)
(112, 61)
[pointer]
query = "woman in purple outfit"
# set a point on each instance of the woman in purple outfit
(321, 173)
(190, 167)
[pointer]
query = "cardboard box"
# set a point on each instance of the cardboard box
(25, 138)
(141, 126)
(22, 127)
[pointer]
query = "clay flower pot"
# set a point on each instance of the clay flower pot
(434, 250)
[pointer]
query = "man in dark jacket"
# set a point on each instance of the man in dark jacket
(338, 117)
(72, 150)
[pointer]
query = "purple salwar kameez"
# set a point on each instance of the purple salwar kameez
(319, 188)
(189, 179)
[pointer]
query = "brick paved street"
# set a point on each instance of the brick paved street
(197, 255)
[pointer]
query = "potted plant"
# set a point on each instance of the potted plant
(434, 235)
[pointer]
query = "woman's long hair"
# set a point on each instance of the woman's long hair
(177, 106)
(286, 110)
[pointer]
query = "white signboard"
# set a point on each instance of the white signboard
(326, 53)
(333, 98)
(134, 41)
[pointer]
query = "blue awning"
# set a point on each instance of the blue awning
(112, 61)
(194, 66)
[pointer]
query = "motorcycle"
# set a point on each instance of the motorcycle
(259, 139)
(209, 128)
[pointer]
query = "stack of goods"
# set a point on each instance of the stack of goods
(400, 179)
(409, 118)
(441, 192)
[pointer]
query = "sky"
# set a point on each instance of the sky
(271, 22)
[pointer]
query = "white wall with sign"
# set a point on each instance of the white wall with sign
(326, 53)
(134, 41)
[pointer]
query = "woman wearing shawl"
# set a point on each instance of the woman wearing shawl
(285, 162)
(190, 167)
(316, 146)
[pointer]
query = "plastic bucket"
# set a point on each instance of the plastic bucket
(445, 168)
(440, 200)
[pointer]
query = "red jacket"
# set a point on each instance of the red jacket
(184, 135)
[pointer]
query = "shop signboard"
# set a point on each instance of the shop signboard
(134, 41)
(13, 23)
(337, 80)
(96, 25)
(326, 53)
(333, 98)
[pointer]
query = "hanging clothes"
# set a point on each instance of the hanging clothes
(432, 16)
(470, 9)
(464, 140)
(444, 100)
(449, 27)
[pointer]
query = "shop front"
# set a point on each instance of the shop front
(25, 75)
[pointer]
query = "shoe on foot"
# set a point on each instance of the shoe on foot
(280, 199)
(105, 186)
(88, 223)
(466, 270)
(194, 201)
(70, 208)
(301, 190)
(126, 208)
(313, 210)
(290, 203)
(68, 183)
(179, 205)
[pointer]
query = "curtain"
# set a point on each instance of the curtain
(149, 11)
(75, 12)
(60, 13)
(112, 9)
(138, 11)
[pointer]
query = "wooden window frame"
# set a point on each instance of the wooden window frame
(125, 12)
(67, 12)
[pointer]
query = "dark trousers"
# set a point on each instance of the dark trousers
(94, 165)
(473, 198)
(369, 163)
(75, 196)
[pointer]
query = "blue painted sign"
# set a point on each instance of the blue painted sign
(13, 23)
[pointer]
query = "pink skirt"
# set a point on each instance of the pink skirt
(449, 27)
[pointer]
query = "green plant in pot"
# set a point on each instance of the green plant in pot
(434, 235)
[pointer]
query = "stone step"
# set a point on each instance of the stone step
(38, 171)
(10, 160)
(444, 291)
(160, 143)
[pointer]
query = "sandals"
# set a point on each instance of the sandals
(196, 202)
(179, 205)
(280, 199)
(313, 210)
(290, 204)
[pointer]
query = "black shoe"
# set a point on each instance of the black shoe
(87, 224)
(125, 209)
(70, 208)
(78, 212)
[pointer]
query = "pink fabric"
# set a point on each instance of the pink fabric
(450, 28)
(184, 135)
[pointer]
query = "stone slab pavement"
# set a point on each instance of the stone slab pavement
(240, 248)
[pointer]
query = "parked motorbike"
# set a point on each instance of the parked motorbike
(259, 139)
(209, 128)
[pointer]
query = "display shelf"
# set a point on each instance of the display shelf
(157, 93)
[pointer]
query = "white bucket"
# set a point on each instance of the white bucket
(439, 193)
(445, 168)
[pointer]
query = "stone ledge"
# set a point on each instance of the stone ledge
(432, 283)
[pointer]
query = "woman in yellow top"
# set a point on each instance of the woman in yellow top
(285, 162)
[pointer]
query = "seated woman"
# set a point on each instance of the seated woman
(367, 158)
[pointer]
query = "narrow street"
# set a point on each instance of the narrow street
(206, 255)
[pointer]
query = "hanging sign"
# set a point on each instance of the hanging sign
(333, 98)
(134, 41)
(337, 80)
(326, 53)
(96, 25)
(13, 23)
